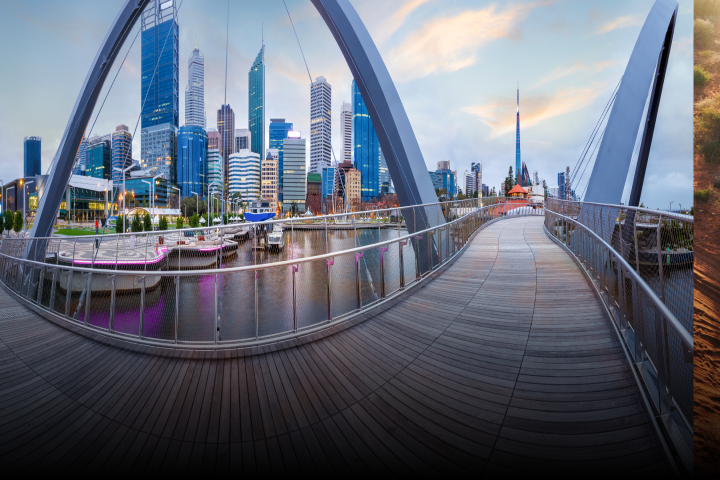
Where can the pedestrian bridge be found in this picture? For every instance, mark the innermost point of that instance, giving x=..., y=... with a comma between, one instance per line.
x=505, y=360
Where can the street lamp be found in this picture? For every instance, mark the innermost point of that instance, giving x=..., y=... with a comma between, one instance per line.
x=197, y=197
x=124, y=171
x=178, y=190
x=671, y=206
x=25, y=200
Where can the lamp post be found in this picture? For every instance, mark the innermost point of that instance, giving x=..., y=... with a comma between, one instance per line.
x=178, y=190
x=25, y=201
x=671, y=206
x=124, y=171
x=149, y=184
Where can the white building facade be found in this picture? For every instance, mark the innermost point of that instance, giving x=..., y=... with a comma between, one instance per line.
x=244, y=175
x=346, y=131
x=214, y=169
x=195, y=90
x=320, y=125
x=243, y=139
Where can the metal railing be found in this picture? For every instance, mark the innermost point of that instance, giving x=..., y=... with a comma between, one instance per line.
x=159, y=298
x=641, y=292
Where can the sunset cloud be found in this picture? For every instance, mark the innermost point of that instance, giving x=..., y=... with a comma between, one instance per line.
x=500, y=115
x=562, y=71
x=618, y=23
x=448, y=44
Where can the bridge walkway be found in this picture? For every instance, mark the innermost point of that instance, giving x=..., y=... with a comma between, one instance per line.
x=504, y=363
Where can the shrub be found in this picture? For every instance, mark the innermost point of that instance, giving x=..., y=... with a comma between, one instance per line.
x=225, y=222
x=2, y=223
x=162, y=223
x=119, y=224
x=179, y=223
x=704, y=34
x=9, y=220
x=135, y=225
x=711, y=151
x=147, y=223
x=716, y=183
x=700, y=76
x=18, y=223
x=194, y=221
x=702, y=195
x=707, y=9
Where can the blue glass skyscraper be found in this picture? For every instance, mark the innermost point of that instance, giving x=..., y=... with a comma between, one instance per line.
x=159, y=89
x=192, y=160
x=32, y=161
x=256, y=103
x=278, y=132
x=367, y=155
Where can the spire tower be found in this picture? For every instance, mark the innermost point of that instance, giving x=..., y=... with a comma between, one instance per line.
x=518, y=166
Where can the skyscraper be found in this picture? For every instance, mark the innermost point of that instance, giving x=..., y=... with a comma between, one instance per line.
x=243, y=139
x=214, y=170
x=81, y=158
x=294, y=173
x=121, y=151
x=279, y=129
x=99, y=160
x=320, y=124
x=226, y=128
x=346, y=131
x=195, y=90
x=159, y=97
x=213, y=138
x=192, y=160
x=518, y=167
x=367, y=155
x=256, y=102
x=32, y=153
x=244, y=175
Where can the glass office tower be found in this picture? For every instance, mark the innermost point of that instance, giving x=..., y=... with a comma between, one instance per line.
x=278, y=132
x=32, y=164
x=99, y=160
x=367, y=155
x=121, y=151
x=256, y=103
x=192, y=160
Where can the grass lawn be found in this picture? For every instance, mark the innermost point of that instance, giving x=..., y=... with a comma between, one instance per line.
x=73, y=232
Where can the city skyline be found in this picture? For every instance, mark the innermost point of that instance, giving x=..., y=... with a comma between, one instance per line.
x=566, y=87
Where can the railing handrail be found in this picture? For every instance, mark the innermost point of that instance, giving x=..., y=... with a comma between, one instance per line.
x=266, y=222
x=675, y=324
x=213, y=271
x=673, y=215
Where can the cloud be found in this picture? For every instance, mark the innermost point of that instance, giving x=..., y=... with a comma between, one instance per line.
x=449, y=44
x=500, y=115
x=618, y=23
x=396, y=20
x=562, y=71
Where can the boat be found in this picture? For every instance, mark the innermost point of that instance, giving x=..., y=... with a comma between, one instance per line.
x=276, y=238
x=259, y=212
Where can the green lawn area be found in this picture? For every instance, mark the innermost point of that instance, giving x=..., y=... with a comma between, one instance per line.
x=73, y=232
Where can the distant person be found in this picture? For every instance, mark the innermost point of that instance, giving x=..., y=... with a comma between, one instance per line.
x=97, y=227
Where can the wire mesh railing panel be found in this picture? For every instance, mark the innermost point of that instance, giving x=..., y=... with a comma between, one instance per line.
x=128, y=304
x=99, y=301
x=236, y=302
x=159, y=308
x=275, y=300
x=196, y=312
x=311, y=290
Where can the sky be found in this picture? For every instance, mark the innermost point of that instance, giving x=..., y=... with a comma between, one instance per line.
x=456, y=65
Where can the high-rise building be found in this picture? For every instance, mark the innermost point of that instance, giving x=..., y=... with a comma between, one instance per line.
x=342, y=169
x=443, y=165
x=159, y=98
x=328, y=182
x=195, y=90
x=518, y=167
x=279, y=129
x=444, y=180
x=353, y=185
x=536, y=180
x=243, y=139
x=367, y=154
x=313, y=198
x=469, y=185
x=256, y=102
x=121, y=151
x=99, y=160
x=244, y=175
x=213, y=138
x=269, y=179
x=160, y=64
x=561, y=185
x=214, y=171
x=32, y=165
x=346, y=131
x=294, y=173
x=226, y=128
x=476, y=170
x=81, y=158
x=192, y=160
x=320, y=125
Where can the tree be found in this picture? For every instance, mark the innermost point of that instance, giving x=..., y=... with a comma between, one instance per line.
x=509, y=181
x=119, y=224
x=172, y=200
x=135, y=225
x=179, y=223
x=147, y=223
x=9, y=219
x=2, y=223
x=194, y=221
x=163, y=223
x=18, y=224
x=225, y=219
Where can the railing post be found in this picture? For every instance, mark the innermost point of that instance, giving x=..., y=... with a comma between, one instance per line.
x=68, y=293
x=660, y=260
x=639, y=330
x=53, y=289
x=358, y=256
x=418, y=276
x=430, y=263
x=328, y=262
x=257, y=317
x=294, y=272
x=382, y=271
x=177, y=306
x=142, y=306
x=637, y=255
x=41, y=281
x=659, y=347
x=111, y=324
x=401, y=244
x=88, y=297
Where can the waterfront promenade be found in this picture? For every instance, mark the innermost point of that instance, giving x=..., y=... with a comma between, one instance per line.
x=504, y=362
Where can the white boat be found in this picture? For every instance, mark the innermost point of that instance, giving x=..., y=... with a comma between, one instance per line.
x=276, y=238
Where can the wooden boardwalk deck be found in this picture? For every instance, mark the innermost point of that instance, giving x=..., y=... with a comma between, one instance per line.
x=503, y=364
